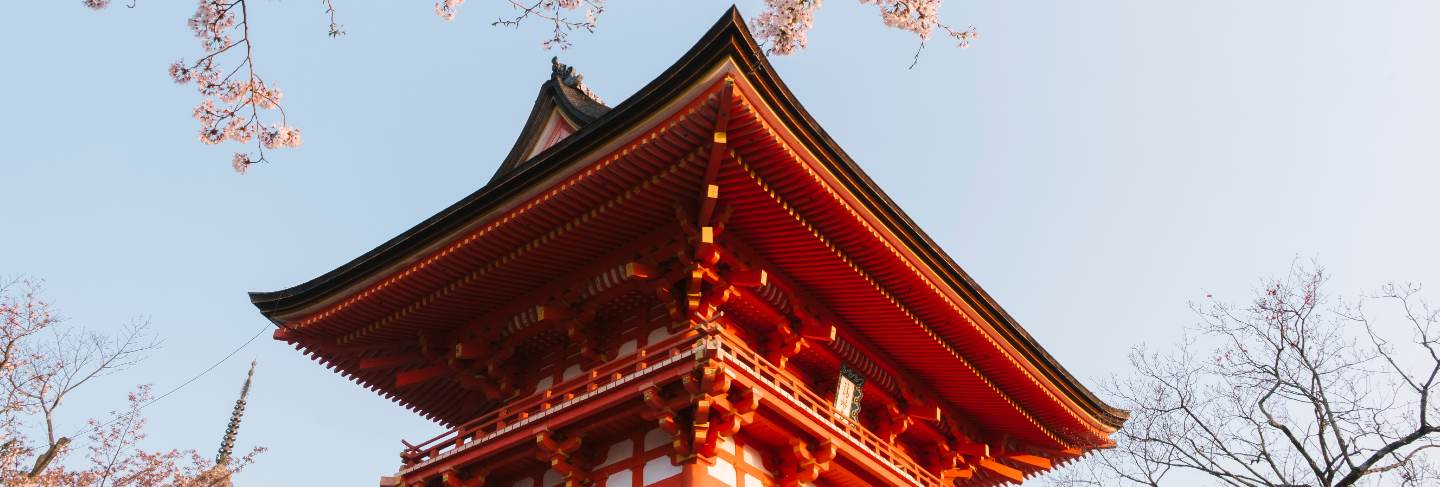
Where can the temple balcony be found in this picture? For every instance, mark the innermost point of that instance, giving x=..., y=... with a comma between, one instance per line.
x=627, y=393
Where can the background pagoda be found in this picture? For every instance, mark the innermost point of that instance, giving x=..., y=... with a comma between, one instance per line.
x=694, y=287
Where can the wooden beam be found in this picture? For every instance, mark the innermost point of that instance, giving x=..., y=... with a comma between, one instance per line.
x=922, y=409
x=718, y=152
x=474, y=349
x=1032, y=460
x=951, y=474
x=973, y=449
x=1009, y=473
x=284, y=335
x=486, y=386
x=748, y=278
x=705, y=247
x=816, y=330
x=709, y=200
x=661, y=242
x=641, y=270
x=1071, y=452
x=390, y=362
x=411, y=377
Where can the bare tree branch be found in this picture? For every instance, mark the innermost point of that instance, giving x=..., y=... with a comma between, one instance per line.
x=1296, y=390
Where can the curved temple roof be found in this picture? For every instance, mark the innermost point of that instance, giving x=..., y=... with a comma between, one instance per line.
x=727, y=46
x=564, y=94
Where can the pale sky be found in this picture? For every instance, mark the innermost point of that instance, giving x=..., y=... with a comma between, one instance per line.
x=1093, y=165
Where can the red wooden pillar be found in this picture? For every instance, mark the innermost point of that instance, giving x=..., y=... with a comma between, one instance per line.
x=695, y=474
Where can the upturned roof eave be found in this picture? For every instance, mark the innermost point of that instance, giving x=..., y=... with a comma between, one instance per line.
x=276, y=304
x=728, y=37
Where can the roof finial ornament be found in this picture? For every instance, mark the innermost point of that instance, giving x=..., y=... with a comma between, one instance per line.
x=227, y=445
x=568, y=76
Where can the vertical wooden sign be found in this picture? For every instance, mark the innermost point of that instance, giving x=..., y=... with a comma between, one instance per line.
x=848, y=391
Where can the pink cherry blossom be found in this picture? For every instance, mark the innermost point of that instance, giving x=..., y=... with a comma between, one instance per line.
x=225, y=76
x=240, y=162
x=227, y=93
x=783, y=24
x=446, y=9
x=277, y=136
x=266, y=97
x=918, y=16
x=239, y=129
x=44, y=362
x=179, y=72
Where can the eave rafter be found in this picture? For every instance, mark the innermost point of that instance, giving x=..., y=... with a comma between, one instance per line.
x=517, y=253
x=943, y=431
x=1094, y=430
x=800, y=323
x=479, y=356
x=405, y=372
x=860, y=272
x=653, y=147
x=447, y=317
x=708, y=290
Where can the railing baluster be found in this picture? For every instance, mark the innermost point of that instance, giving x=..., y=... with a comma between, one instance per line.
x=720, y=346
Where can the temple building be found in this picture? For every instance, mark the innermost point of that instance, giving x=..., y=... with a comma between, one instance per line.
x=693, y=287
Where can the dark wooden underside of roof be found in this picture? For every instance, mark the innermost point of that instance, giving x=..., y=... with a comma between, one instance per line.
x=727, y=39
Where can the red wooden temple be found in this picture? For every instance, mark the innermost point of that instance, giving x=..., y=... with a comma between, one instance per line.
x=695, y=287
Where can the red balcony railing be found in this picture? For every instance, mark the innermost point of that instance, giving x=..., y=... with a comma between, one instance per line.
x=730, y=350
x=712, y=343
x=543, y=403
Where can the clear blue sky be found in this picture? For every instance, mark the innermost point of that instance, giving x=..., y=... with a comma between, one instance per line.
x=1094, y=165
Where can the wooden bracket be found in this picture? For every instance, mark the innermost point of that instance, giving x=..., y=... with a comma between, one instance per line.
x=564, y=456
x=803, y=464
x=710, y=408
x=693, y=290
x=579, y=333
x=783, y=344
x=659, y=409
x=453, y=478
x=743, y=404
x=707, y=386
x=666, y=296
x=892, y=422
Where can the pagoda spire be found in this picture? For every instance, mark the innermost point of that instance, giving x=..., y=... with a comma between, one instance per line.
x=227, y=445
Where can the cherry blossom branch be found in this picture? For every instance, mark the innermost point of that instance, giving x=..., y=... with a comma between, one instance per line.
x=232, y=110
x=336, y=30
x=783, y=25
x=553, y=11
x=962, y=38
x=225, y=99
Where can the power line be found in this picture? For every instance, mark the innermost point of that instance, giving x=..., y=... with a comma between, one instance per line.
x=182, y=385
